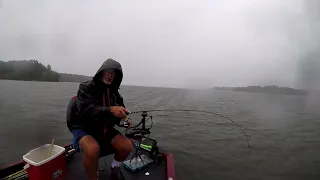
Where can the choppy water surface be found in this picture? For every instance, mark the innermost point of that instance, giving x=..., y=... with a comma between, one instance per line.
x=284, y=130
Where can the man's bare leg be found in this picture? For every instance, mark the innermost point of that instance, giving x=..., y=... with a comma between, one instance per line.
x=91, y=151
x=122, y=147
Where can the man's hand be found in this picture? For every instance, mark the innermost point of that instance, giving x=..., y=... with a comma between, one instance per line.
x=118, y=111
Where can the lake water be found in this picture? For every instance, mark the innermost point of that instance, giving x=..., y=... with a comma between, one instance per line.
x=284, y=131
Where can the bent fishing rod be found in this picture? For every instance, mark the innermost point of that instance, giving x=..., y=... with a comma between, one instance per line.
x=193, y=110
x=147, y=130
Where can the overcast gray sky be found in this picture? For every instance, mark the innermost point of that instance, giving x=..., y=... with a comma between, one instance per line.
x=166, y=43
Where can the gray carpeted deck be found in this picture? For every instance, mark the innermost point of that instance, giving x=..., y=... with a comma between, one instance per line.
x=77, y=172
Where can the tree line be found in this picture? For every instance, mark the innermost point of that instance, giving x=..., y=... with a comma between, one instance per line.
x=64, y=77
x=27, y=70
x=271, y=90
x=265, y=89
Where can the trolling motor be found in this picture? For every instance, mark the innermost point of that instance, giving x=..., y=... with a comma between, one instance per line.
x=146, y=150
x=136, y=132
x=141, y=143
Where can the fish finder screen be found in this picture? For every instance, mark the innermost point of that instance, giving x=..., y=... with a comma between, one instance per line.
x=148, y=144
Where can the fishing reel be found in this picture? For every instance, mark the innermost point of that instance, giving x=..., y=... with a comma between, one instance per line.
x=137, y=131
x=125, y=123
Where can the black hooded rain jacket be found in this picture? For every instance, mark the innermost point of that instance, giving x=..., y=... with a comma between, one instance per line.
x=93, y=101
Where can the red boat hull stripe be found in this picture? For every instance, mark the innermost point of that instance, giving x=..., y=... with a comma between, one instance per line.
x=170, y=167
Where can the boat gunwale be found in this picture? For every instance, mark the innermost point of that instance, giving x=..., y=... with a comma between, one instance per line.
x=18, y=165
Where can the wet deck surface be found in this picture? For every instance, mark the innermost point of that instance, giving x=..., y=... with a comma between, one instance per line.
x=77, y=172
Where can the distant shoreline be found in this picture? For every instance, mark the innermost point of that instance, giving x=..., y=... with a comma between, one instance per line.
x=265, y=89
x=130, y=85
x=33, y=70
x=65, y=77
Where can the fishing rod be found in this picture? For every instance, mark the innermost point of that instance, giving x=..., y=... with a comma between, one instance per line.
x=143, y=130
x=192, y=110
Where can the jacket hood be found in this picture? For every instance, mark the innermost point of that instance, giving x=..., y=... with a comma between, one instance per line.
x=110, y=65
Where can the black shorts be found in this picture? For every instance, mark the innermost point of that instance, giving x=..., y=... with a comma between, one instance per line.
x=104, y=143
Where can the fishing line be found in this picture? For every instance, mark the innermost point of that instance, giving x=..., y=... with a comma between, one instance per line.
x=199, y=111
x=206, y=112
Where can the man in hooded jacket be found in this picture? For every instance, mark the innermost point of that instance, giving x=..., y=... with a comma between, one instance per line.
x=91, y=117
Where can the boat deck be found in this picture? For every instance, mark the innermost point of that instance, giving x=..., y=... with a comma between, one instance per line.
x=77, y=172
x=157, y=171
